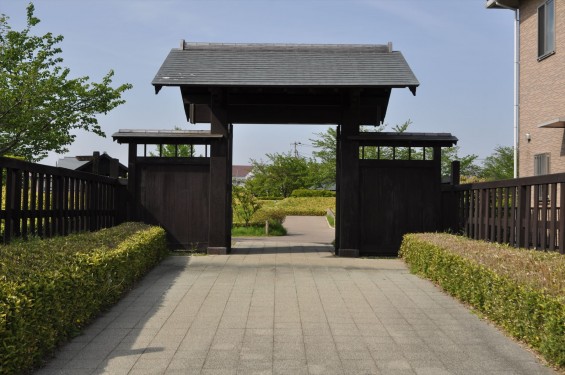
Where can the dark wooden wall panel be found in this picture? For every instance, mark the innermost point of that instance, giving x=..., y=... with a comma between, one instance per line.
x=176, y=197
x=395, y=201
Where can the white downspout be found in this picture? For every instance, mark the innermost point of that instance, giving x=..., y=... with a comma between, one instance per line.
x=516, y=82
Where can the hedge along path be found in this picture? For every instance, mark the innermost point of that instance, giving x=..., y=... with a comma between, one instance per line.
x=50, y=289
x=521, y=290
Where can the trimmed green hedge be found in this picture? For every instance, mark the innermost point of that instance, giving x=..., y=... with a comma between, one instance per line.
x=50, y=289
x=523, y=291
x=301, y=193
x=306, y=206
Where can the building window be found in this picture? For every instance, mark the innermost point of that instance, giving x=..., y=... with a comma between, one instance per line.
x=541, y=164
x=546, y=29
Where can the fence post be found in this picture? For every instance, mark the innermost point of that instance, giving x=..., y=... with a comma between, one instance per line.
x=522, y=199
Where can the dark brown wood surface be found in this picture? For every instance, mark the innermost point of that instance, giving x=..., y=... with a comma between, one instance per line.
x=397, y=197
x=523, y=212
x=175, y=196
x=46, y=201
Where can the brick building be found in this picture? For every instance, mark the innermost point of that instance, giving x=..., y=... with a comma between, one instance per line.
x=541, y=84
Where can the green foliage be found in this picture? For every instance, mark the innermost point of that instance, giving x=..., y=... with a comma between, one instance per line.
x=244, y=204
x=499, y=165
x=282, y=174
x=171, y=151
x=298, y=193
x=521, y=290
x=468, y=167
x=181, y=151
x=331, y=220
x=325, y=145
x=49, y=289
x=40, y=105
x=303, y=206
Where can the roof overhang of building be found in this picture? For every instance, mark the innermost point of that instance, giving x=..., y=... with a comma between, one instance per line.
x=144, y=136
x=554, y=123
x=405, y=139
x=502, y=4
x=285, y=83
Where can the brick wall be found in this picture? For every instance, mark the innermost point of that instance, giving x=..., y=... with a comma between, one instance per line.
x=542, y=90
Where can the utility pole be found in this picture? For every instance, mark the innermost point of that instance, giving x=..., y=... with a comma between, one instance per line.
x=295, y=149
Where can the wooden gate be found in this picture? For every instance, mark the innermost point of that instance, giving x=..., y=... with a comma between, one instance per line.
x=389, y=184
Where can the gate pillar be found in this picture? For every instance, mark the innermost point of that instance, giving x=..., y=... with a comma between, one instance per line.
x=348, y=180
x=219, y=237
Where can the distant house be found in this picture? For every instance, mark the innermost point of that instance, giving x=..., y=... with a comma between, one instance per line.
x=540, y=84
x=240, y=173
x=101, y=164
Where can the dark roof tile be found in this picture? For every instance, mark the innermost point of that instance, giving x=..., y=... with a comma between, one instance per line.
x=285, y=65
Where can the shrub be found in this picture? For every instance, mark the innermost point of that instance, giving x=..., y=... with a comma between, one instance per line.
x=521, y=290
x=270, y=214
x=301, y=193
x=258, y=230
x=51, y=288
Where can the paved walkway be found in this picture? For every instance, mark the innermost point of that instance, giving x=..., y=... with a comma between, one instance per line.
x=304, y=229
x=271, y=308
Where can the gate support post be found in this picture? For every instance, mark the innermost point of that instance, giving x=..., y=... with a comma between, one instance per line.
x=219, y=230
x=349, y=210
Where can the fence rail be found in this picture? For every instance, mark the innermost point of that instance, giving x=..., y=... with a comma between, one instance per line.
x=44, y=201
x=523, y=212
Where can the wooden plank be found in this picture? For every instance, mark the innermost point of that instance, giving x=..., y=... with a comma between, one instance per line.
x=507, y=201
x=553, y=217
x=516, y=223
x=491, y=204
x=543, y=221
x=25, y=203
x=40, y=204
x=33, y=203
x=526, y=212
x=499, y=212
x=561, y=234
x=17, y=205
x=536, y=218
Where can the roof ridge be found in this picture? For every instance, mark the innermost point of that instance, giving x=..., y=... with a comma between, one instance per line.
x=283, y=46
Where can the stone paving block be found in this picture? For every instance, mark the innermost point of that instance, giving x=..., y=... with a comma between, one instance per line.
x=275, y=309
x=222, y=359
x=325, y=368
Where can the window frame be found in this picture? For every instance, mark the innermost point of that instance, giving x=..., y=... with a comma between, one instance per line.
x=541, y=163
x=546, y=31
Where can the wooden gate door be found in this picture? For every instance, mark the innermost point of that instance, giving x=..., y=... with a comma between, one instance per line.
x=174, y=193
x=397, y=197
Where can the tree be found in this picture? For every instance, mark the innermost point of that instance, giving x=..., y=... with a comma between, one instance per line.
x=182, y=151
x=468, y=168
x=244, y=203
x=39, y=104
x=326, y=152
x=281, y=175
x=499, y=165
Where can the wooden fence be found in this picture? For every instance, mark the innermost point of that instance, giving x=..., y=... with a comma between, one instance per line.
x=38, y=200
x=523, y=212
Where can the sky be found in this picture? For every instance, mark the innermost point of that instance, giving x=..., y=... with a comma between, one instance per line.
x=461, y=53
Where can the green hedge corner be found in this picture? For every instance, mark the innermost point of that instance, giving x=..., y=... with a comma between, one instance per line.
x=50, y=289
x=523, y=291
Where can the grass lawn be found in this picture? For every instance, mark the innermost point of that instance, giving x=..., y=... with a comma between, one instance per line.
x=257, y=230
